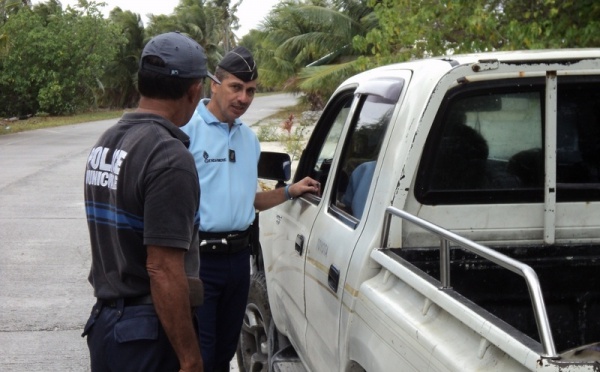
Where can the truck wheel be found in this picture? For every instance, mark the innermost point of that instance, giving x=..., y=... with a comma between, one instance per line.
x=253, y=348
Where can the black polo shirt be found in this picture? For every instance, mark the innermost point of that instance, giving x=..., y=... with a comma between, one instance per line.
x=141, y=188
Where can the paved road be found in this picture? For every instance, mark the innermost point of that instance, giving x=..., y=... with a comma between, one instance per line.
x=44, y=248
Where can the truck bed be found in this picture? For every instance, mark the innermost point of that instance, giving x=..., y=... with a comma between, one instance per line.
x=569, y=278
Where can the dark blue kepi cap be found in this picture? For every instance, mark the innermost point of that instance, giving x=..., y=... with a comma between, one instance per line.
x=240, y=63
x=182, y=55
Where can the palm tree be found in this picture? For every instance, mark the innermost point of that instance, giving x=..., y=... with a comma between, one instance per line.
x=196, y=19
x=307, y=45
x=119, y=79
x=229, y=22
x=8, y=7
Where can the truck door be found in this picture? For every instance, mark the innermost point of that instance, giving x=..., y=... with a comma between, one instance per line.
x=285, y=229
x=340, y=221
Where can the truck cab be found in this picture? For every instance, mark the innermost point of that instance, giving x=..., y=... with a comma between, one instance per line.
x=457, y=228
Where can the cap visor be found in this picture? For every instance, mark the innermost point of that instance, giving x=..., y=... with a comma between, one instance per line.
x=213, y=78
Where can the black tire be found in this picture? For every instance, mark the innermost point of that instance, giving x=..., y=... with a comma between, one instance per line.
x=252, y=352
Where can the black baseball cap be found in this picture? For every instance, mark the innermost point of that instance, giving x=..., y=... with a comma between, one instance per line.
x=239, y=62
x=183, y=56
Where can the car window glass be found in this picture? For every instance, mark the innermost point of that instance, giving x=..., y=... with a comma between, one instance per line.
x=482, y=138
x=487, y=145
x=359, y=159
x=326, y=148
x=578, y=137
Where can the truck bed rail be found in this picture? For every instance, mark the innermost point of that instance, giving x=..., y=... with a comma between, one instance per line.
x=517, y=267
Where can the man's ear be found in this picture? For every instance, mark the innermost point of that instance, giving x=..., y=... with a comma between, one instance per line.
x=195, y=91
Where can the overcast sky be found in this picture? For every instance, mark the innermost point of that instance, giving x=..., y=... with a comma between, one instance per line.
x=250, y=12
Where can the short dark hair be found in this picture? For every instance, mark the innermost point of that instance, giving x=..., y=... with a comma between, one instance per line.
x=160, y=86
x=221, y=73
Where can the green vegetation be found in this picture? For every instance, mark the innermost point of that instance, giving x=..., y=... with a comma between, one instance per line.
x=46, y=121
x=64, y=61
x=289, y=127
x=52, y=59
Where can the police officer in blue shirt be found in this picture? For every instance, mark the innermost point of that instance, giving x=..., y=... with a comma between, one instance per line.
x=226, y=152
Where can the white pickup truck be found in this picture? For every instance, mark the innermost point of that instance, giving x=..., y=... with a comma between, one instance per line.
x=458, y=228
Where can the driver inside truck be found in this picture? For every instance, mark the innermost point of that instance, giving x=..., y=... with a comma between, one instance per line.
x=358, y=188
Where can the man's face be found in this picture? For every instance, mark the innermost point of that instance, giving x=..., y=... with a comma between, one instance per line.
x=232, y=98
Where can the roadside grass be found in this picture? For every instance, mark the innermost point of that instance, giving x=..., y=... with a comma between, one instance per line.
x=40, y=122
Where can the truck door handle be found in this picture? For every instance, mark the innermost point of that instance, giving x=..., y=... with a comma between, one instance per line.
x=333, y=279
x=299, y=244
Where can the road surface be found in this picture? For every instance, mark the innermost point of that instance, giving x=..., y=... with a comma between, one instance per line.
x=45, y=297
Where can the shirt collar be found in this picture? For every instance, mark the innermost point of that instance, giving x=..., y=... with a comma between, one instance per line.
x=172, y=128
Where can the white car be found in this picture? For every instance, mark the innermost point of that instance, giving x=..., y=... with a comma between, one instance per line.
x=458, y=227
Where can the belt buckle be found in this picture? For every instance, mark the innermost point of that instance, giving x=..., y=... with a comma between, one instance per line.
x=214, y=243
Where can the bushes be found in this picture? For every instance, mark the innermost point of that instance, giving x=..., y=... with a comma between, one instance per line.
x=54, y=59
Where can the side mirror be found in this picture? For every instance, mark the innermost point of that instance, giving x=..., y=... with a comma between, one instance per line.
x=275, y=166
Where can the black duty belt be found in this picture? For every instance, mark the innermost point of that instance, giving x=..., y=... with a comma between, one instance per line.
x=224, y=242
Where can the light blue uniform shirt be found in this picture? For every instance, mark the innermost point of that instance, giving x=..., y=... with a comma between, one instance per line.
x=227, y=189
x=358, y=187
